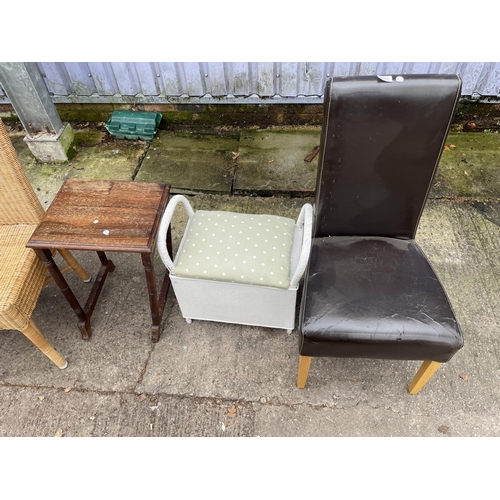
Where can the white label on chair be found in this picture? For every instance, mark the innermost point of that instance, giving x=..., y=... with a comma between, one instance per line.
x=106, y=232
x=385, y=78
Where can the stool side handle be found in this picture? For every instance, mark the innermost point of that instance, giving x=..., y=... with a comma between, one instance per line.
x=306, y=219
x=165, y=223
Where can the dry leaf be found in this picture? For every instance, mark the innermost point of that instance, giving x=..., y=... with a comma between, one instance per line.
x=466, y=173
x=443, y=429
x=58, y=433
x=270, y=161
x=142, y=397
x=235, y=155
x=464, y=377
x=67, y=389
x=452, y=146
x=446, y=148
x=41, y=398
x=240, y=407
x=231, y=412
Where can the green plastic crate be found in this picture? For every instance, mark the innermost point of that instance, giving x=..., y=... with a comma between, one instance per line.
x=133, y=124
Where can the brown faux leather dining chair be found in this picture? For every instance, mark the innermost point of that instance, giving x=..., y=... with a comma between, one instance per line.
x=369, y=290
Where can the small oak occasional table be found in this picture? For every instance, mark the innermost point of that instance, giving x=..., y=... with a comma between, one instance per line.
x=105, y=216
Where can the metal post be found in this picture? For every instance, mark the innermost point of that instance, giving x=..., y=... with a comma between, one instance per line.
x=48, y=138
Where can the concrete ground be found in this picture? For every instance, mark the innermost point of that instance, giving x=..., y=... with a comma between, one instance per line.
x=212, y=379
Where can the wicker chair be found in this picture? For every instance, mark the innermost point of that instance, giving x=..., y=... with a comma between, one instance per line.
x=22, y=274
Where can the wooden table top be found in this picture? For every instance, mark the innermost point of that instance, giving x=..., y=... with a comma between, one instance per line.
x=120, y=216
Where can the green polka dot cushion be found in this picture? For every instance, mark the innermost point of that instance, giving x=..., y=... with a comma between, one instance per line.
x=240, y=248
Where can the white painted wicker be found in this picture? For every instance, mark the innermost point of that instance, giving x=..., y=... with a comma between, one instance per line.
x=240, y=303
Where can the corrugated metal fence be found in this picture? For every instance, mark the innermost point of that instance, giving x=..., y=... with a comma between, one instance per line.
x=236, y=82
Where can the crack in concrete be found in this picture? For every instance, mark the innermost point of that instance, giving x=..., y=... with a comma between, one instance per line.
x=234, y=166
x=251, y=406
x=145, y=367
x=150, y=399
x=166, y=316
x=140, y=161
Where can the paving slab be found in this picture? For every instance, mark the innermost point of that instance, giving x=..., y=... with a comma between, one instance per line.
x=95, y=159
x=365, y=420
x=191, y=162
x=69, y=412
x=272, y=162
x=469, y=166
x=46, y=178
x=116, y=160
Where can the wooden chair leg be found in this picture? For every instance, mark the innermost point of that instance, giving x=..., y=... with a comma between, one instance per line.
x=304, y=364
x=35, y=335
x=425, y=372
x=74, y=264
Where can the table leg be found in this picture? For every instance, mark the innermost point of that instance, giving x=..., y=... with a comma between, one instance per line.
x=107, y=266
x=157, y=303
x=84, y=324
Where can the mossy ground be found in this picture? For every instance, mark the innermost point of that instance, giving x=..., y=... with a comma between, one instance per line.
x=222, y=159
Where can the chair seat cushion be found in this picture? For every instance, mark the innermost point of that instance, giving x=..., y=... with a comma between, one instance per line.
x=22, y=275
x=375, y=297
x=239, y=248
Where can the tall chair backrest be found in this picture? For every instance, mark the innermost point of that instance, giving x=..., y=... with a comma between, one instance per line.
x=18, y=202
x=381, y=142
